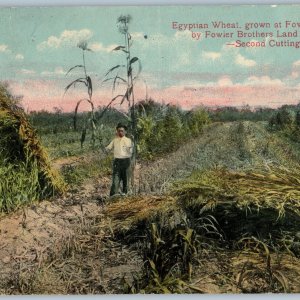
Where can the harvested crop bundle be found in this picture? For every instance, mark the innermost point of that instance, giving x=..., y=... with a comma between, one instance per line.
x=261, y=202
x=25, y=171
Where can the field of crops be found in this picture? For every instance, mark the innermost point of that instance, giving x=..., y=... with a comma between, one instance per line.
x=215, y=210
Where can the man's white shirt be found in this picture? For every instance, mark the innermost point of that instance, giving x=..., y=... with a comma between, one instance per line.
x=121, y=146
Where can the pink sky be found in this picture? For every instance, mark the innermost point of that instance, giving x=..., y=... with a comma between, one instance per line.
x=46, y=94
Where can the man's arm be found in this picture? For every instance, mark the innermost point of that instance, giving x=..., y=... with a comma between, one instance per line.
x=110, y=146
x=130, y=147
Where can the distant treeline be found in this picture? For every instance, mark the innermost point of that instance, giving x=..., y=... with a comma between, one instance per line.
x=246, y=113
x=58, y=121
x=230, y=114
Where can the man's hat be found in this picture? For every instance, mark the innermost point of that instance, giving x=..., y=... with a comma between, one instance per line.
x=120, y=125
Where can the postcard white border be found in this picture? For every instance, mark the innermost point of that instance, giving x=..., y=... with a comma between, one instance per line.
x=18, y=3
x=138, y=2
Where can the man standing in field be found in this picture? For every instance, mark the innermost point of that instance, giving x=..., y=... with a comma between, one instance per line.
x=122, y=147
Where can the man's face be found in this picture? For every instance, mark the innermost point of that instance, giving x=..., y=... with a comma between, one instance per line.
x=121, y=131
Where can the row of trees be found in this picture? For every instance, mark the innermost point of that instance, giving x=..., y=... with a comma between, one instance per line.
x=61, y=122
x=231, y=114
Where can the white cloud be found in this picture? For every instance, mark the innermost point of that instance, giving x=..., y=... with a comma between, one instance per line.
x=294, y=75
x=182, y=35
x=296, y=63
x=211, y=55
x=27, y=71
x=233, y=53
x=97, y=47
x=57, y=71
x=262, y=80
x=3, y=48
x=137, y=35
x=19, y=56
x=243, y=61
x=226, y=49
x=66, y=38
x=225, y=81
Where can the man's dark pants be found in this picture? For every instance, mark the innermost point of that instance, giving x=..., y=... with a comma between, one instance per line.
x=121, y=172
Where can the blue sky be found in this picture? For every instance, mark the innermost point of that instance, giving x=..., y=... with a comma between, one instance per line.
x=38, y=46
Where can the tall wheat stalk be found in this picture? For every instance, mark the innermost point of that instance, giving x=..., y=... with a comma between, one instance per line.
x=87, y=81
x=129, y=81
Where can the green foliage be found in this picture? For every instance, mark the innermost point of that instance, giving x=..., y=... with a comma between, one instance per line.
x=150, y=107
x=286, y=122
x=46, y=122
x=160, y=128
x=297, y=120
x=19, y=185
x=197, y=120
x=231, y=114
x=169, y=254
x=283, y=119
x=163, y=128
x=172, y=131
x=167, y=249
x=145, y=129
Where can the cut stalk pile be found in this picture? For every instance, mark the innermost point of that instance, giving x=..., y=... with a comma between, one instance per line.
x=257, y=203
x=277, y=189
x=26, y=174
x=128, y=212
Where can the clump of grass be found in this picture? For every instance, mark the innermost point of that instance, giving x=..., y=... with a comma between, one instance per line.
x=76, y=175
x=169, y=255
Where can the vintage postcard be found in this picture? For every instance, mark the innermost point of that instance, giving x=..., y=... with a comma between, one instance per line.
x=150, y=149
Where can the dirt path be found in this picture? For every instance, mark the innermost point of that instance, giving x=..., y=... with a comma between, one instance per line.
x=35, y=240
